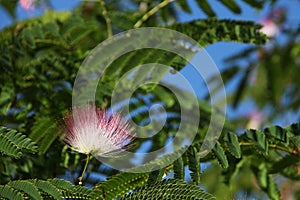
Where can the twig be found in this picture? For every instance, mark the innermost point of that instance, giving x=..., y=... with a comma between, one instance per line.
x=107, y=19
x=274, y=146
x=151, y=12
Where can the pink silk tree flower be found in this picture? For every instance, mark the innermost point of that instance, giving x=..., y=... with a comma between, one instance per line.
x=255, y=119
x=27, y=4
x=269, y=28
x=90, y=130
x=273, y=22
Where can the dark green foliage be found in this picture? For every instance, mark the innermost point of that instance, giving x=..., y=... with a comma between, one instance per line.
x=259, y=139
x=213, y=30
x=13, y=143
x=266, y=182
x=156, y=176
x=38, y=63
x=206, y=8
x=27, y=187
x=194, y=165
x=70, y=191
x=119, y=185
x=9, y=148
x=43, y=189
x=232, y=142
x=10, y=193
x=10, y=7
x=220, y=155
x=44, y=131
x=278, y=133
x=169, y=189
x=272, y=188
x=232, y=5
x=224, y=30
x=284, y=163
x=184, y=5
x=178, y=167
x=48, y=188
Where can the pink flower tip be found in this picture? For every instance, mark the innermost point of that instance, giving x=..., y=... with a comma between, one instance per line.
x=255, y=119
x=272, y=23
x=91, y=130
x=27, y=4
x=270, y=28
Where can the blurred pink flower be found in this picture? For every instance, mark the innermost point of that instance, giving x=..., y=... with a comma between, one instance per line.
x=270, y=28
x=93, y=131
x=255, y=120
x=272, y=23
x=27, y=4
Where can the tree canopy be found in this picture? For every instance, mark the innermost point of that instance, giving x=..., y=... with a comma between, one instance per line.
x=39, y=61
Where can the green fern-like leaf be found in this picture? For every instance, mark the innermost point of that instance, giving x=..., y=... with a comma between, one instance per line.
x=156, y=176
x=77, y=192
x=286, y=161
x=220, y=154
x=294, y=129
x=76, y=30
x=255, y=3
x=48, y=139
x=168, y=190
x=287, y=166
x=7, y=93
x=194, y=165
x=212, y=30
x=266, y=182
x=21, y=141
x=232, y=5
x=13, y=143
x=39, y=128
x=272, y=189
x=44, y=132
x=216, y=30
x=43, y=189
x=48, y=188
x=61, y=184
x=259, y=140
x=262, y=175
x=10, y=193
x=161, y=161
x=27, y=38
x=278, y=133
x=26, y=187
x=119, y=185
x=205, y=6
x=178, y=167
x=70, y=191
x=9, y=148
x=232, y=142
x=184, y=5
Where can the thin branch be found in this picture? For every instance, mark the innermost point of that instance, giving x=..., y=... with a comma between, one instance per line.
x=151, y=12
x=274, y=146
x=107, y=19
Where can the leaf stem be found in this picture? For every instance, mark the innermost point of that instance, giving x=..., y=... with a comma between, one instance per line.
x=151, y=12
x=274, y=146
x=107, y=19
x=84, y=169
